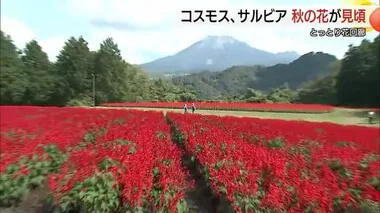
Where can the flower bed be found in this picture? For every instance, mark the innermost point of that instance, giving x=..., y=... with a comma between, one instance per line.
x=285, y=166
x=111, y=160
x=100, y=160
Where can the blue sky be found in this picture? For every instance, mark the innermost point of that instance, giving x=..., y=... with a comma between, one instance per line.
x=148, y=29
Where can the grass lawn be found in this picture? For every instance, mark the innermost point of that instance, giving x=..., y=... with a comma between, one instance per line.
x=340, y=116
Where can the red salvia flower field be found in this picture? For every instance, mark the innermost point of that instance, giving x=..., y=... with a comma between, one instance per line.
x=275, y=107
x=284, y=166
x=120, y=158
x=112, y=160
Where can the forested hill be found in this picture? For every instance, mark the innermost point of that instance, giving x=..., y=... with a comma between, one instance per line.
x=354, y=82
x=237, y=79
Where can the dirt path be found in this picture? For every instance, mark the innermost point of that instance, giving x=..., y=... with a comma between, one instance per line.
x=33, y=202
x=339, y=116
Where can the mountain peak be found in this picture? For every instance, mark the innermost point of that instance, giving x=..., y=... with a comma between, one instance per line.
x=215, y=53
x=213, y=37
x=288, y=52
x=216, y=42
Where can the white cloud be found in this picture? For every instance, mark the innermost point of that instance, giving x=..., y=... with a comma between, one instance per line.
x=170, y=36
x=163, y=34
x=53, y=46
x=136, y=44
x=142, y=12
x=22, y=34
x=19, y=32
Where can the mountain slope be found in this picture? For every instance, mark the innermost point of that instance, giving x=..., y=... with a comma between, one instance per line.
x=216, y=53
x=237, y=79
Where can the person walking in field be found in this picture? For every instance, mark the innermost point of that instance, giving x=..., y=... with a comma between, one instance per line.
x=185, y=108
x=370, y=117
x=193, y=107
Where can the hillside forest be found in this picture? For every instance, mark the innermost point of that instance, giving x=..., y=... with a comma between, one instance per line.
x=29, y=78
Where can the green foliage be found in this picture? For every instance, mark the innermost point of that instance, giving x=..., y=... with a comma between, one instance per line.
x=281, y=95
x=97, y=194
x=255, y=96
x=277, y=95
x=321, y=91
x=276, y=143
x=40, y=77
x=204, y=83
x=164, y=90
x=27, y=174
x=117, y=80
x=358, y=79
x=80, y=101
x=354, y=81
x=74, y=68
x=182, y=206
x=13, y=78
x=168, y=194
x=78, y=73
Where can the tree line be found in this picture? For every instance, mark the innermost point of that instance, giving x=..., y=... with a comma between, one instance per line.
x=353, y=81
x=29, y=78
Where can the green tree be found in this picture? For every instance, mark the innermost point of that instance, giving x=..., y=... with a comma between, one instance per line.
x=320, y=91
x=187, y=95
x=13, y=79
x=110, y=71
x=255, y=96
x=137, y=84
x=74, y=68
x=283, y=94
x=116, y=80
x=40, y=77
x=159, y=89
x=164, y=90
x=358, y=79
